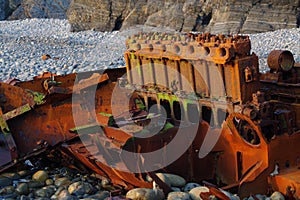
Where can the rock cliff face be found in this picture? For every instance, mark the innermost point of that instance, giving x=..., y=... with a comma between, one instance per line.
x=216, y=16
x=7, y=7
x=20, y=9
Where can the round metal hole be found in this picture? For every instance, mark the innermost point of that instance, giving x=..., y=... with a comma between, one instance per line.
x=177, y=49
x=191, y=49
x=164, y=48
x=222, y=52
x=207, y=50
x=138, y=46
x=150, y=47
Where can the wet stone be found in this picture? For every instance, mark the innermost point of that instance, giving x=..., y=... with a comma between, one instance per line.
x=277, y=196
x=162, y=177
x=45, y=192
x=80, y=188
x=145, y=194
x=35, y=184
x=22, y=188
x=23, y=197
x=64, y=195
x=31, y=195
x=59, y=190
x=176, y=189
x=76, y=179
x=12, y=176
x=234, y=197
x=40, y=175
x=178, y=196
x=49, y=182
x=7, y=190
x=4, y=181
x=175, y=180
x=213, y=197
x=260, y=197
x=105, y=182
x=99, y=195
x=24, y=173
x=62, y=182
x=195, y=192
x=117, y=198
x=11, y=196
x=231, y=196
x=189, y=186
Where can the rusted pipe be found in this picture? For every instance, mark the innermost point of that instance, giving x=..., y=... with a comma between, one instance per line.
x=280, y=60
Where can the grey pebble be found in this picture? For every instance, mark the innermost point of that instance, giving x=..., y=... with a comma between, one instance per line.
x=4, y=181
x=35, y=184
x=62, y=182
x=189, y=186
x=65, y=195
x=22, y=188
x=80, y=188
x=45, y=192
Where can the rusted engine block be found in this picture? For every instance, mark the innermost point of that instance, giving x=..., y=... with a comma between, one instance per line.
x=238, y=128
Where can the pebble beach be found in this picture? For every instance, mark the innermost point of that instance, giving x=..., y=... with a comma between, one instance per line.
x=23, y=42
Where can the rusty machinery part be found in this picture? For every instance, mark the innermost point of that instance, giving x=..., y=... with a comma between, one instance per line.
x=280, y=60
x=256, y=107
x=255, y=114
x=217, y=48
x=166, y=61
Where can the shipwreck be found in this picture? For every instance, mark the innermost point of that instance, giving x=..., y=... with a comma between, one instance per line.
x=192, y=104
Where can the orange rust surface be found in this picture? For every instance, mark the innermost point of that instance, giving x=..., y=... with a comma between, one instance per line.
x=288, y=182
x=260, y=129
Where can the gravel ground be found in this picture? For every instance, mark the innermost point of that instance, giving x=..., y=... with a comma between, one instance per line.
x=23, y=42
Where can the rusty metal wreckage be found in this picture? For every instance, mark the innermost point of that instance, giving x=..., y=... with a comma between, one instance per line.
x=245, y=123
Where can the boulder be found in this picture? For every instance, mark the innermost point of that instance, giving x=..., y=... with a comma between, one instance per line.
x=145, y=194
x=277, y=196
x=62, y=182
x=195, y=192
x=189, y=186
x=80, y=188
x=45, y=192
x=22, y=188
x=40, y=176
x=170, y=179
x=4, y=181
x=178, y=195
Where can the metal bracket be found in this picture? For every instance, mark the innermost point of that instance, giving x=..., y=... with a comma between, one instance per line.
x=8, y=136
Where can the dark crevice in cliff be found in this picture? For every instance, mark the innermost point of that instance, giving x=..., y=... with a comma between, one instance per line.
x=202, y=21
x=181, y=26
x=298, y=18
x=118, y=23
x=9, y=9
x=206, y=19
x=256, y=2
x=110, y=10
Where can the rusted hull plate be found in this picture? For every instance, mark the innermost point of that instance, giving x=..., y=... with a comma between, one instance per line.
x=287, y=182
